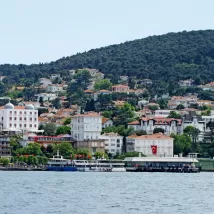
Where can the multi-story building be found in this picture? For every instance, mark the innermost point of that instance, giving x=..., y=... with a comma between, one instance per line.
x=18, y=118
x=120, y=88
x=86, y=126
x=5, y=150
x=156, y=144
x=148, y=124
x=53, y=88
x=113, y=143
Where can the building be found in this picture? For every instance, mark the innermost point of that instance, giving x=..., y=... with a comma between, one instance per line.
x=18, y=118
x=45, y=97
x=103, y=92
x=106, y=122
x=53, y=88
x=162, y=113
x=186, y=101
x=44, y=82
x=92, y=145
x=120, y=89
x=185, y=83
x=113, y=143
x=86, y=126
x=148, y=124
x=5, y=150
x=54, y=76
x=192, y=119
x=156, y=144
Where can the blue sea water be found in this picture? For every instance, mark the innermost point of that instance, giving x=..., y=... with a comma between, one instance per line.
x=110, y=193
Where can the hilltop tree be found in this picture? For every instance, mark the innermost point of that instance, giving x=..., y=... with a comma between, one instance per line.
x=104, y=84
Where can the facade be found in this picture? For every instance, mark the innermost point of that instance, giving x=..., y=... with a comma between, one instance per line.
x=113, y=143
x=53, y=88
x=86, y=126
x=92, y=145
x=106, y=122
x=5, y=150
x=186, y=101
x=46, y=96
x=103, y=92
x=148, y=124
x=185, y=83
x=18, y=118
x=192, y=119
x=151, y=145
x=120, y=89
x=162, y=113
x=45, y=82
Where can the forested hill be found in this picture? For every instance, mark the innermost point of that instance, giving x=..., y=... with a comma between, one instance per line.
x=168, y=58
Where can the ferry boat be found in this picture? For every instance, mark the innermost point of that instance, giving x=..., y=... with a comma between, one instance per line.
x=58, y=163
x=161, y=164
x=100, y=165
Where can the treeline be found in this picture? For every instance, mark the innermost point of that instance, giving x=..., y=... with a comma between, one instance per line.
x=167, y=58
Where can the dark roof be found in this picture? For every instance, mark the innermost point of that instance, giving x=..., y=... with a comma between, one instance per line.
x=191, y=115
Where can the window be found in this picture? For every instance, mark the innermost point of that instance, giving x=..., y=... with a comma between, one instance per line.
x=25, y=118
x=10, y=125
x=10, y=112
x=31, y=119
x=112, y=144
x=30, y=125
x=25, y=125
x=30, y=112
x=10, y=118
x=35, y=125
x=35, y=113
x=20, y=118
x=24, y=112
x=118, y=145
x=35, y=119
x=20, y=125
x=14, y=118
x=20, y=112
x=14, y=125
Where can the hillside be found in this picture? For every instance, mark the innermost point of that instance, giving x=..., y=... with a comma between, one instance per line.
x=168, y=58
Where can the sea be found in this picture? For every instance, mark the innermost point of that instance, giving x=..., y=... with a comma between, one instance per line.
x=106, y=193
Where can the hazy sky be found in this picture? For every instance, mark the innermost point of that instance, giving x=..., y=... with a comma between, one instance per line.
x=34, y=31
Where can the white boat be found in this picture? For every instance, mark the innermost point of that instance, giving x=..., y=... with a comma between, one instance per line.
x=100, y=165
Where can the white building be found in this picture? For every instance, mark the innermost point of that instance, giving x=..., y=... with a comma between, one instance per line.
x=156, y=144
x=162, y=113
x=54, y=76
x=86, y=126
x=106, y=122
x=148, y=124
x=53, y=88
x=113, y=143
x=46, y=96
x=18, y=118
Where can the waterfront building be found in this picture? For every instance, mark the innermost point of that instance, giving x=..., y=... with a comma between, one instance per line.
x=113, y=143
x=18, y=118
x=151, y=145
x=86, y=126
x=5, y=150
x=86, y=132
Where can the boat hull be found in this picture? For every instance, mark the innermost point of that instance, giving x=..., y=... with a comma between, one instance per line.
x=62, y=168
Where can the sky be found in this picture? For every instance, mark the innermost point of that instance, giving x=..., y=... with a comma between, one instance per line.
x=39, y=31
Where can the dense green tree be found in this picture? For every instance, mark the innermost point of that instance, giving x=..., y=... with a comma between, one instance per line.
x=174, y=114
x=65, y=149
x=67, y=121
x=56, y=103
x=180, y=106
x=63, y=130
x=158, y=130
x=140, y=132
x=50, y=129
x=192, y=132
x=103, y=84
x=210, y=125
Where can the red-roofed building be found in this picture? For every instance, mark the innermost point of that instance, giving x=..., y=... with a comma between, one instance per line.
x=120, y=88
x=148, y=124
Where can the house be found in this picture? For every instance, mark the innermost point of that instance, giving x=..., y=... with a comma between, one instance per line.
x=124, y=78
x=54, y=76
x=192, y=119
x=53, y=88
x=186, y=101
x=185, y=83
x=156, y=144
x=18, y=118
x=148, y=124
x=44, y=82
x=45, y=96
x=103, y=92
x=113, y=143
x=120, y=89
x=2, y=77
x=106, y=122
x=207, y=87
x=162, y=113
x=119, y=103
x=25, y=103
